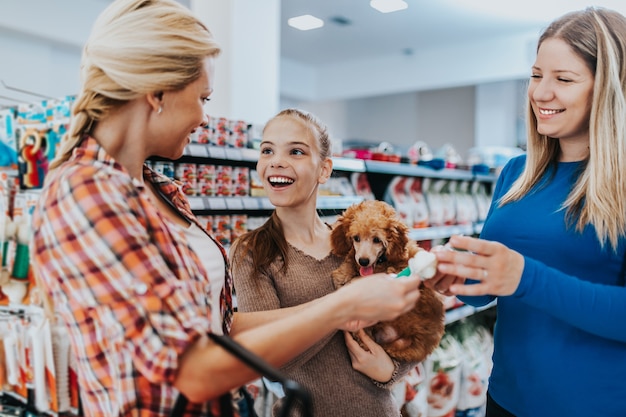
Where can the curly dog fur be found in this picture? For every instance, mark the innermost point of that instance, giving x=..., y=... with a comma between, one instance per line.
x=371, y=238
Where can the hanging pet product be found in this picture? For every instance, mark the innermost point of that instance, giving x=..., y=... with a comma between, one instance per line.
x=33, y=162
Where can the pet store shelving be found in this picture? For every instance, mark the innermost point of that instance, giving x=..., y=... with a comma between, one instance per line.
x=379, y=172
x=206, y=153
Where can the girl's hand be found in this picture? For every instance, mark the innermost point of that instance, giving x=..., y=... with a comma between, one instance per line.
x=369, y=359
x=379, y=297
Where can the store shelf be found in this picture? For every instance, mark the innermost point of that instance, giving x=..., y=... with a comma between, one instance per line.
x=410, y=170
x=459, y=313
x=202, y=203
x=202, y=150
x=348, y=164
x=441, y=232
x=486, y=177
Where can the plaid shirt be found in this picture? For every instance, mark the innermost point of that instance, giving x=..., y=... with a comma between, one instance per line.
x=123, y=280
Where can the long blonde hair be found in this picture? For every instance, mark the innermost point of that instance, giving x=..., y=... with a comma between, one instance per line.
x=136, y=47
x=598, y=198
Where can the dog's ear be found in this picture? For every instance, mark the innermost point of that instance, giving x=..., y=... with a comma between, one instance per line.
x=339, y=240
x=398, y=240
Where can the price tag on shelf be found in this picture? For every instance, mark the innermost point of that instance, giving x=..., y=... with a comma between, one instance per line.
x=234, y=203
x=197, y=149
x=217, y=203
x=196, y=203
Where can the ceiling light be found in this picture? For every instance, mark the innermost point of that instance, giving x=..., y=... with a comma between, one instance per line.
x=305, y=22
x=387, y=6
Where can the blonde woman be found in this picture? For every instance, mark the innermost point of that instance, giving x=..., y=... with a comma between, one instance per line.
x=126, y=265
x=552, y=250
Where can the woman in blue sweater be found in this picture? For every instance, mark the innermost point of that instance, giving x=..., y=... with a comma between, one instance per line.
x=552, y=250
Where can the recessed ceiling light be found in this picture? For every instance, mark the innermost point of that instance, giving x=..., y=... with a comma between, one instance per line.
x=388, y=6
x=305, y=22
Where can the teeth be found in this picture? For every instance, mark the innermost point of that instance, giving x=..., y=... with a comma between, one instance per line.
x=281, y=180
x=548, y=112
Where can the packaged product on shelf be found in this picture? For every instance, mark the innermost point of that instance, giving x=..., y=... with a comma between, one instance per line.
x=433, y=202
x=8, y=148
x=256, y=185
x=482, y=199
x=30, y=113
x=16, y=350
x=58, y=360
x=239, y=225
x=450, y=155
x=466, y=210
x=396, y=195
x=187, y=173
x=415, y=393
x=32, y=157
x=224, y=181
x=361, y=185
x=207, y=179
x=448, y=200
x=238, y=134
x=474, y=376
x=336, y=186
x=16, y=259
x=221, y=135
x=164, y=167
x=201, y=135
x=223, y=229
x=241, y=181
x=443, y=376
x=420, y=208
x=419, y=151
x=207, y=222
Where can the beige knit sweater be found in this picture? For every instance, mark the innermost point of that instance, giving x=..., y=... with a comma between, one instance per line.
x=325, y=369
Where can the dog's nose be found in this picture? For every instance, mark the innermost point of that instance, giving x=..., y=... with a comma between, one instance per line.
x=364, y=261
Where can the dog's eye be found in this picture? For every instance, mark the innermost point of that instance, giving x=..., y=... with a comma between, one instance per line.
x=356, y=238
x=377, y=240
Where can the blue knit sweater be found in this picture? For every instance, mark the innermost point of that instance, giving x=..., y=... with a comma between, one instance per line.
x=560, y=339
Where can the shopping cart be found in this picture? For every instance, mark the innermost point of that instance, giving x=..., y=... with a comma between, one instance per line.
x=294, y=393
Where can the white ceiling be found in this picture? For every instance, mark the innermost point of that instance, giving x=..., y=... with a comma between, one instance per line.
x=423, y=24
x=431, y=44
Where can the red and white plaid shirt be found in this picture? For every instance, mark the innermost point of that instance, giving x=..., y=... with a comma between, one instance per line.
x=124, y=281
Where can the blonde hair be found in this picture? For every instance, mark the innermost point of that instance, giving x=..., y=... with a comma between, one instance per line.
x=136, y=47
x=598, y=198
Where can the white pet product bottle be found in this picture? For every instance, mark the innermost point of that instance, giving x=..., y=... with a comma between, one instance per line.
x=36, y=335
x=59, y=367
x=423, y=263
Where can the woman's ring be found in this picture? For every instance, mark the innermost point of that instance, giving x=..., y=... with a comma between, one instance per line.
x=485, y=274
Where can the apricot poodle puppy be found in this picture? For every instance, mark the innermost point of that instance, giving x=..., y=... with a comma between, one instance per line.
x=371, y=238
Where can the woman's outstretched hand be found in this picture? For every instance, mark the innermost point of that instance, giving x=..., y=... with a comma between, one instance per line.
x=496, y=269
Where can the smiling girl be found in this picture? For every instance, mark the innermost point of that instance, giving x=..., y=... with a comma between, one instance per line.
x=288, y=262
